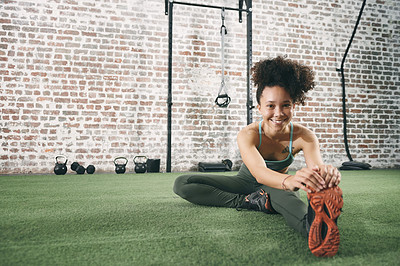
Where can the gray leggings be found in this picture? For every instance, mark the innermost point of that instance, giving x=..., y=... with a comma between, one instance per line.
x=230, y=191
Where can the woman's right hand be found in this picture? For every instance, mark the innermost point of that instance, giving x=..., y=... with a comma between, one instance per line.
x=306, y=179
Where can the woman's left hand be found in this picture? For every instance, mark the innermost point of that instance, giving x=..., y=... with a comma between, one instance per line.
x=330, y=174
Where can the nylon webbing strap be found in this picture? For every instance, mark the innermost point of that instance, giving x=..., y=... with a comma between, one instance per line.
x=223, y=99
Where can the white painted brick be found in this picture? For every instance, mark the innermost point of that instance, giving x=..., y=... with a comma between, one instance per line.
x=89, y=80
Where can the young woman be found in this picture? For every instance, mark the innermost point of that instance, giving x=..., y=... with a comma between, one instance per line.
x=268, y=148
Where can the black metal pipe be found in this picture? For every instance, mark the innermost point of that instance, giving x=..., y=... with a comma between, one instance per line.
x=249, y=61
x=240, y=12
x=209, y=6
x=169, y=12
x=169, y=101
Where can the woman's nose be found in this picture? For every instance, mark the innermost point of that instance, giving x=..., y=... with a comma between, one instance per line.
x=278, y=111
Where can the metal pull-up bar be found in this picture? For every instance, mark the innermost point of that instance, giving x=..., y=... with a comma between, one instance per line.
x=240, y=9
x=169, y=4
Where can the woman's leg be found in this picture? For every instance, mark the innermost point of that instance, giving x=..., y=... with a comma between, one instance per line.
x=292, y=208
x=231, y=191
x=215, y=190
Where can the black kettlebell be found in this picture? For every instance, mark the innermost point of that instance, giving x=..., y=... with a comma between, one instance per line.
x=79, y=169
x=60, y=168
x=140, y=164
x=120, y=168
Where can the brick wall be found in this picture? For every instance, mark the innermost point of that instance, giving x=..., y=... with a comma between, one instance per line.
x=88, y=79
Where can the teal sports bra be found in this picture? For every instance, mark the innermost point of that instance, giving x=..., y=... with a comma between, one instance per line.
x=279, y=165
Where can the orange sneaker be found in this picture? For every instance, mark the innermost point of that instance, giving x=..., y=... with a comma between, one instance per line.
x=323, y=211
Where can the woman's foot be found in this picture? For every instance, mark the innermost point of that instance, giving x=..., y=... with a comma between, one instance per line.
x=323, y=210
x=258, y=201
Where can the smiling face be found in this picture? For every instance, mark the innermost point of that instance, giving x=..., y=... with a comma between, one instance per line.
x=276, y=107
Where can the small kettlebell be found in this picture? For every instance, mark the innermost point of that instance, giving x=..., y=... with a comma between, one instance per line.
x=140, y=164
x=120, y=168
x=60, y=168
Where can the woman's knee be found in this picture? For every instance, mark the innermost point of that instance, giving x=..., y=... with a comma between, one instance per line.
x=179, y=185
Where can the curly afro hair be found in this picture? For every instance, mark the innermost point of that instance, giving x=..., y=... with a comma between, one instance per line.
x=295, y=78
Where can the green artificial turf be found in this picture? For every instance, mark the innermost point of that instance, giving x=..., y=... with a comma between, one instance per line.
x=136, y=219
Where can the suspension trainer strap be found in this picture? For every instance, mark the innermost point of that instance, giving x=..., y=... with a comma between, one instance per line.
x=223, y=99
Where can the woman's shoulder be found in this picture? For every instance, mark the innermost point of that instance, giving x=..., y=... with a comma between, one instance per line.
x=250, y=128
x=299, y=127
x=250, y=131
x=302, y=132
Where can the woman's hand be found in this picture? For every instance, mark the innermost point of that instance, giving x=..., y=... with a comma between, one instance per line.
x=330, y=174
x=306, y=179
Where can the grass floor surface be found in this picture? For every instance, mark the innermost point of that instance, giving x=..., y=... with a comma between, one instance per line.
x=136, y=219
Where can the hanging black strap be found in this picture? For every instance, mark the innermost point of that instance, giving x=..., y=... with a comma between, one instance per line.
x=223, y=99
